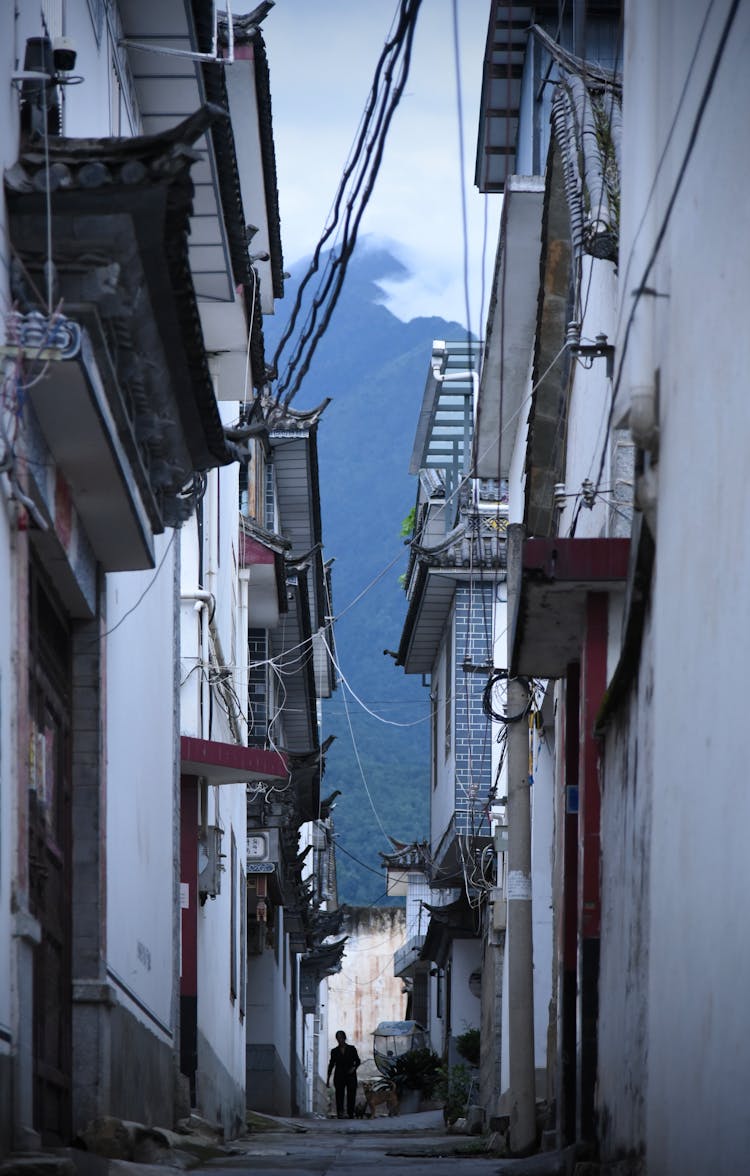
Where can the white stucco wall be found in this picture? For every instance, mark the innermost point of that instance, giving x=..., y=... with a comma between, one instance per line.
x=627, y=798
x=699, y=949
x=514, y=442
x=140, y=785
x=366, y=991
x=466, y=957
x=542, y=834
x=589, y=407
x=268, y=1006
x=220, y=1026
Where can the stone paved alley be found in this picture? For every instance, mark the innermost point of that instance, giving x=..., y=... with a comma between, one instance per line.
x=413, y=1145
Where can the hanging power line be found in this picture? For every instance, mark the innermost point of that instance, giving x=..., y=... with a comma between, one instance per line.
x=361, y=172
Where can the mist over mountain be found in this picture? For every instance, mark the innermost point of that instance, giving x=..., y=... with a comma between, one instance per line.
x=374, y=367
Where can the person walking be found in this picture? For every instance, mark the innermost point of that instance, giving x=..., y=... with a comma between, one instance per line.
x=343, y=1065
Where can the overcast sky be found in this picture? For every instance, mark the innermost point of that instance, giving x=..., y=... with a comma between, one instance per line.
x=322, y=56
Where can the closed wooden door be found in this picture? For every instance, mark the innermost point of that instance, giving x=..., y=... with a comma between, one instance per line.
x=50, y=861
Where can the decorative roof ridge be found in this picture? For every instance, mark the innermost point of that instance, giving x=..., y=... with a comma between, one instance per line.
x=167, y=152
x=279, y=417
x=245, y=26
x=307, y=759
x=458, y=548
x=406, y=854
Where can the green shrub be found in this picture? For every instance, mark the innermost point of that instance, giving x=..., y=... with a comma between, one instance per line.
x=467, y=1045
x=416, y=1070
x=453, y=1089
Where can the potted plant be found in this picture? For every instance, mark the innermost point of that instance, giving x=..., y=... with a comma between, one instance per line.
x=415, y=1074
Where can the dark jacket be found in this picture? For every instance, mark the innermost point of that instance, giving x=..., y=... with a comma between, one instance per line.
x=344, y=1064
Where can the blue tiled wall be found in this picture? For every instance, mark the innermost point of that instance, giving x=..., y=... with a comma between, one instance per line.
x=472, y=729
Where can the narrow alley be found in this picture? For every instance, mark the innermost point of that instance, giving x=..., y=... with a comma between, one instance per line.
x=406, y=1145
x=372, y=649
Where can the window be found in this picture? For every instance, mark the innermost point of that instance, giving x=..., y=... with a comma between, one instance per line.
x=233, y=924
x=243, y=943
x=270, y=499
x=257, y=687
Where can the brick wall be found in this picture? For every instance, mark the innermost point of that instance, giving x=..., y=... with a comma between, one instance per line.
x=472, y=731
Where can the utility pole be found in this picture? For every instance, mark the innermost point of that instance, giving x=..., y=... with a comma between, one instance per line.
x=519, y=928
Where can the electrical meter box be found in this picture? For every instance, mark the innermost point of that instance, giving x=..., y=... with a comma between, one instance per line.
x=209, y=862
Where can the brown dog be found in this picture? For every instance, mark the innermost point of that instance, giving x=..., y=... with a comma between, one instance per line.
x=380, y=1093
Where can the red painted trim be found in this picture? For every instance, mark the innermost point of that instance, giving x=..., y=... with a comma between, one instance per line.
x=230, y=763
x=592, y=561
x=189, y=875
x=593, y=685
x=252, y=551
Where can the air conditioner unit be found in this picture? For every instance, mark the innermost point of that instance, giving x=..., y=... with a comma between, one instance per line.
x=209, y=862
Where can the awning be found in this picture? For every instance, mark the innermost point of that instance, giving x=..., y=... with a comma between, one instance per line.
x=510, y=327
x=230, y=763
x=557, y=575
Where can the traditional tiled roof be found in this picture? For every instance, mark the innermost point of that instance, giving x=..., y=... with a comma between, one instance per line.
x=282, y=419
x=325, y=959
x=269, y=539
x=412, y=855
x=121, y=209
x=587, y=123
x=246, y=30
x=476, y=542
x=222, y=135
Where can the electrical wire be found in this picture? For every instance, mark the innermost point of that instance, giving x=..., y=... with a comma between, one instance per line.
x=354, y=857
x=462, y=177
x=146, y=590
x=350, y=167
x=358, y=700
x=362, y=770
x=326, y=298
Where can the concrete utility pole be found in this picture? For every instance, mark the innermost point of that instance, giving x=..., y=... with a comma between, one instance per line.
x=519, y=929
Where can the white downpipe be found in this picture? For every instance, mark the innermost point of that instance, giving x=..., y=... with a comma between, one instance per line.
x=201, y=601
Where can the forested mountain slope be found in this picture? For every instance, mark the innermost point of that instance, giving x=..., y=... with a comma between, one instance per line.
x=374, y=367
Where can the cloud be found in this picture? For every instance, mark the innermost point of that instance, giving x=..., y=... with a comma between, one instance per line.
x=322, y=59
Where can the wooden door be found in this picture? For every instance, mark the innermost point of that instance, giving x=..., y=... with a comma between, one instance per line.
x=50, y=861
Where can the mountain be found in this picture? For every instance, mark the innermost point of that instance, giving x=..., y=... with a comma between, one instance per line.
x=374, y=367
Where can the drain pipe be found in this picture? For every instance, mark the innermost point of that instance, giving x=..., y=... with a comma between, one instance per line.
x=522, y=1091
x=641, y=374
x=202, y=600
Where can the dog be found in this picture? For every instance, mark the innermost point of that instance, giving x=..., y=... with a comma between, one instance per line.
x=377, y=1094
